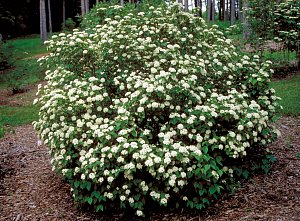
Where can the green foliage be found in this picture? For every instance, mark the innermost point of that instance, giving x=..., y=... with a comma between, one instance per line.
x=289, y=92
x=259, y=14
x=69, y=25
x=276, y=22
x=1, y=131
x=26, y=47
x=154, y=109
x=6, y=60
x=287, y=23
x=97, y=14
x=26, y=70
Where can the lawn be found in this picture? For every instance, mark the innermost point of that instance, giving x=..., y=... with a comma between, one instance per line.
x=18, y=115
x=25, y=73
x=289, y=91
x=27, y=47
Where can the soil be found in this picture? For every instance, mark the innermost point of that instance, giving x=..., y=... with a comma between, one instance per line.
x=30, y=190
x=22, y=98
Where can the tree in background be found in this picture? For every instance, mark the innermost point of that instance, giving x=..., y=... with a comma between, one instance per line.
x=85, y=6
x=64, y=12
x=232, y=12
x=50, y=17
x=209, y=5
x=260, y=16
x=43, y=21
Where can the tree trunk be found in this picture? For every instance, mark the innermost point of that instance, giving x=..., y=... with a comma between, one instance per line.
x=240, y=9
x=246, y=27
x=220, y=10
x=200, y=8
x=227, y=10
x=50, y=17
x=213, y=10
x=43, y=21
x=223, y=6
x=180, y=1
x=82, y=7
x=186, y=5
x=97, y=1
x=122, y=2
x=232, y=12
x=64, y=12
x=87, y=6
x=209, y=10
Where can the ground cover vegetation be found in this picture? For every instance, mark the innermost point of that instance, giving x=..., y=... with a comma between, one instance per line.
x=152, y=109
x=20, y=71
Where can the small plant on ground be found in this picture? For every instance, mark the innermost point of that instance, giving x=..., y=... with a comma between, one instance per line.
x=154, y=109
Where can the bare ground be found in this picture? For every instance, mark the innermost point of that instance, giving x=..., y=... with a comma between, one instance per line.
x=29, y=190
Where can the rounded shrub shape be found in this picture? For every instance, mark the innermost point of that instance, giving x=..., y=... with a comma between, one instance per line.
x=152, y=108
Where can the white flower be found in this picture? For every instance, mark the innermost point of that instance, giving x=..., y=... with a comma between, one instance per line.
x=110, y=179
x=139, y=213
x=140, y=109
x=92, y=176
x=75, y=141
x=180, y=126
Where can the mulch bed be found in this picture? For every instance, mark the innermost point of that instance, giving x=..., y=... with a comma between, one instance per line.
x=30, y=190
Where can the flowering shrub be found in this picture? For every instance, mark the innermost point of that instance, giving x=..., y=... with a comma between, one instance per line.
x=152, y=108
x=287, y=23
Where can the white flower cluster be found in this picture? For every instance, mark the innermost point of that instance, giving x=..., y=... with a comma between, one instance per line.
x=141, y=104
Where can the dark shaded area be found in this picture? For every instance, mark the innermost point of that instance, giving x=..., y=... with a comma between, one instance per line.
x=21, y=17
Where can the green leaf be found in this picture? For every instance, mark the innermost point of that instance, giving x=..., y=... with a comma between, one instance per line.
x=76, y=184
x=96, y=194
x=212, y=190
x=202, y=192
x=204, y=200
x=245, y=174
x=83, y=184
x=100, y=207
x=88, y=185
x=134, y=133
x=89, y=200
x=206, y=168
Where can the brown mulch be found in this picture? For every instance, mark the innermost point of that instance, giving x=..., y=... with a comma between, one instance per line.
x=30, y=190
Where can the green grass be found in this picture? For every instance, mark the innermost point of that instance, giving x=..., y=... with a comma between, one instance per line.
x=18, y=115
x=25, y=48
x=289, y=91
x=26, y=70
x=280, y=58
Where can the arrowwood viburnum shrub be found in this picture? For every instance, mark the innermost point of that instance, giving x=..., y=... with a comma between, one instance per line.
x=149, y=109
